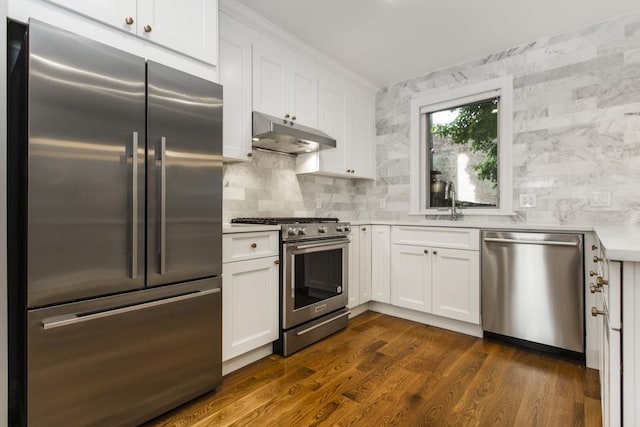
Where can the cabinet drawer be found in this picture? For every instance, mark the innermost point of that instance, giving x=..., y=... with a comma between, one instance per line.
x=241, y=246
x=456, y=238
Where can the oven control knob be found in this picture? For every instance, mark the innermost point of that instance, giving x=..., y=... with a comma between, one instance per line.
x=339, y=228
x=347, y=228
x=322, y=229
x=292, y=231
x=302, y=230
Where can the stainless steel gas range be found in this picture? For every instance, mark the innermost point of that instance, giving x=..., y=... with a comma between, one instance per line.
x=313, y=279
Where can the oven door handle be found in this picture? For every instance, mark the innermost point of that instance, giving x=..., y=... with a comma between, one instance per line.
x=332, y=242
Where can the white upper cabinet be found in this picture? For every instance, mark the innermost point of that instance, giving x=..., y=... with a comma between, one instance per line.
x=188, y=27
x=235, y=75
x=284, y=85
x=118, y=13
x=347, y=116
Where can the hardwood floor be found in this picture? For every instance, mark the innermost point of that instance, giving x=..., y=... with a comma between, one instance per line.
x=383, y=370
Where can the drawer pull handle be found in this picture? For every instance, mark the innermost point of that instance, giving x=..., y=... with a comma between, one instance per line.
x=600, y=281
x=594, y=247
x=595, y=312
x=597, y=259
x=593, y=288
x=254, y=245
x=592, y=273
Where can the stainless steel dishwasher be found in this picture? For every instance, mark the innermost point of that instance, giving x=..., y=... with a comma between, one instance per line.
x=533, y=289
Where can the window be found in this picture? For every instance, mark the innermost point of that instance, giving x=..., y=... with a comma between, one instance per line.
x=461, y=149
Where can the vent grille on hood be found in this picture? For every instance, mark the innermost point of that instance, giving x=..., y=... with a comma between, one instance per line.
x=272, y=133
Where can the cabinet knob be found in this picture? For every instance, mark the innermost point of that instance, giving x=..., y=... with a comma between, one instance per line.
x=147, y=28
x=364, y=228
x=597, y=259
x=594, y=247
x=286, y=116
x=592, y=273
x=249, y=155
x=593, y=288
x=426, y=251
x=293, y=118
x=254, y=245
x=129, y=20
x=276, y=262
x=595, y=312
x=435, y=252
x=600, y=281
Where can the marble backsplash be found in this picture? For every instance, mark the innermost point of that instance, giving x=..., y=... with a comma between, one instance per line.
x=576, y=130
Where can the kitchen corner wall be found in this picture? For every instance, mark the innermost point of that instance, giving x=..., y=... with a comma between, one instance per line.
x=576, y=125
x=576, y=130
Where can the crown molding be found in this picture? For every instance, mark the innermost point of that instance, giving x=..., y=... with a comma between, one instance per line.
x=268, y=29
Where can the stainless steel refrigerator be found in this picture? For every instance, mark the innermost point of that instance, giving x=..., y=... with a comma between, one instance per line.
x=115, y=242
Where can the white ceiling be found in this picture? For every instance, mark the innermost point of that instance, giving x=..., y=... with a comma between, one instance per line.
x=387, y=41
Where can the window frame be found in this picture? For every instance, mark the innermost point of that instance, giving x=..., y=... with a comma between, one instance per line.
x=437, y=100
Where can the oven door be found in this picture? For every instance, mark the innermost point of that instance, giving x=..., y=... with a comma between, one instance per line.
x=314, y=279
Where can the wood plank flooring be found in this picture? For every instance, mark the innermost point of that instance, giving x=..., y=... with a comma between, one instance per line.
x=385, y=371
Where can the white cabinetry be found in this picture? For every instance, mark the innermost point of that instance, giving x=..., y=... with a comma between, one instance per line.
x=360, y=266
x=284, y=85
x=235, y=75
x=187, y=27
x=250, y=282
x=442, y=280
x=348, y=117
x=381, y=263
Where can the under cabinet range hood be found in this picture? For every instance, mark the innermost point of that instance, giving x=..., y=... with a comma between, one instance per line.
x=285, y=136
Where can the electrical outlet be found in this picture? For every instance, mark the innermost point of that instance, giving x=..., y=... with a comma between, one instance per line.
x=600, y=199
x=318, y=203
x=382, y=203
x=528, y=200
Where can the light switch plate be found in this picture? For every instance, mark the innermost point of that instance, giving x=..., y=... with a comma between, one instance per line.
x=318, y=203
x=528, y=200
x=382, y=203
x=600, y=199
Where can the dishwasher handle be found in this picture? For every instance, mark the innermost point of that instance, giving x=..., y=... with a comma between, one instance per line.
x=531, y=242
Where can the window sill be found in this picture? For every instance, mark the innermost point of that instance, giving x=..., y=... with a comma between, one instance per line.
x=462, y=212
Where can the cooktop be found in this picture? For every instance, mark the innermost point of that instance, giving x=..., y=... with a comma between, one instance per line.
x=282, y=220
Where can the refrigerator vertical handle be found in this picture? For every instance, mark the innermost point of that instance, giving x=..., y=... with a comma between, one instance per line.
x=134, y=205
x=163, y=204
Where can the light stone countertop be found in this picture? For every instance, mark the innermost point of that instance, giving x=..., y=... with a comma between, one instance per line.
x=248, y=228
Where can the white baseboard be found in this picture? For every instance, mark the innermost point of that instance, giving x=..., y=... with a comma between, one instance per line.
x=427, y=319
x=358, y=310
x=246, y=359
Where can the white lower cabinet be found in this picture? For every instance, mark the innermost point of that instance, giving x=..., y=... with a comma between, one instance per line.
x=439, y=280
x=381, y=263
x=250, y=289
x=455, y=287
x=359, y=266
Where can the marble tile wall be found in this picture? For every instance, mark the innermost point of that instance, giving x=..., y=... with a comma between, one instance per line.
x=576, y=125
x=576, y=130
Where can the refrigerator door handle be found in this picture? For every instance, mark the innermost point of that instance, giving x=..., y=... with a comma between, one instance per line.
x=72, y=319
x=134, y=205
x=163, y=205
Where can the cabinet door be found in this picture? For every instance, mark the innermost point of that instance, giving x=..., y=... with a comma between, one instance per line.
x=456, y=284
x=331, y=120
x=114, y=13
x=235, y=76
x=269, y=81
x=190, y=28
x=381, y=263
x=249, y=305
x=411, y=277
x=358, y=138
x=365, y=263
x=303, y=95
x=354, y=270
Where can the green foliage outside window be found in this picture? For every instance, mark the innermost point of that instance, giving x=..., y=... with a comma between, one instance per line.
x=477, y=125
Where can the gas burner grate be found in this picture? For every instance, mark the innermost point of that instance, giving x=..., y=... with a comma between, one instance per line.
x=282, y=220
